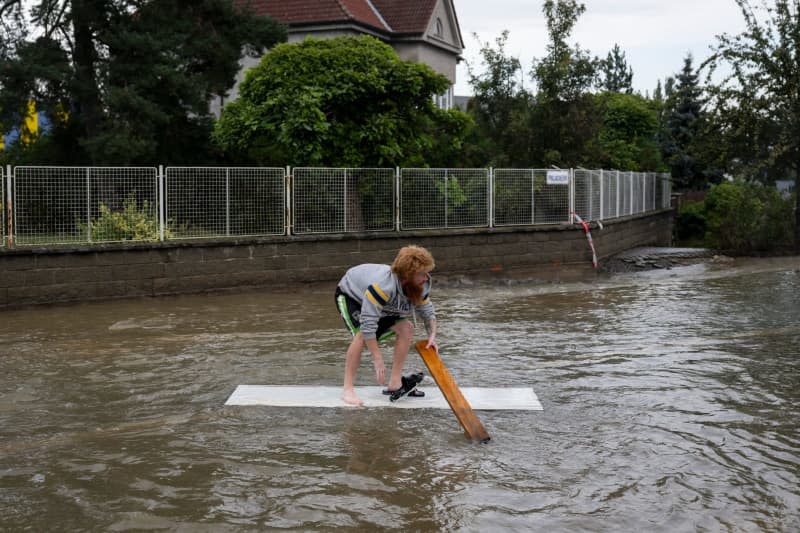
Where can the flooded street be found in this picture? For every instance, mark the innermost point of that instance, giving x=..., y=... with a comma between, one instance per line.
x=671, y=403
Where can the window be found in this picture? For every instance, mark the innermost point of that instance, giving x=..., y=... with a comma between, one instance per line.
x=439, y=27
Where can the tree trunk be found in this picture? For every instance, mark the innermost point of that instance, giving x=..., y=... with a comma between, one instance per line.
x=87, y=97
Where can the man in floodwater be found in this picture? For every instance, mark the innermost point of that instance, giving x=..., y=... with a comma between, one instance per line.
x=375, y=302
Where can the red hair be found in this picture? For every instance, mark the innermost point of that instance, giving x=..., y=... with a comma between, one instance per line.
x=410, y=260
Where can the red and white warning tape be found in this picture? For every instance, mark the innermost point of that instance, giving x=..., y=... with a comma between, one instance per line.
x=588, y=233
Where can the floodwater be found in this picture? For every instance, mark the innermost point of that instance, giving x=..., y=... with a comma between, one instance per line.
x=671, y=402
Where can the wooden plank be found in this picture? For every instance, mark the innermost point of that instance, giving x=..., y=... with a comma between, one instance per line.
x=461, y=408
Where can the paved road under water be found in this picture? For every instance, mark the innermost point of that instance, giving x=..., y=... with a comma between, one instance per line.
x=671, y=404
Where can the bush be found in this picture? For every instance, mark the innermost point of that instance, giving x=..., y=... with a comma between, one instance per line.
x=132, y=223
x=744, y=217
x=690, y=225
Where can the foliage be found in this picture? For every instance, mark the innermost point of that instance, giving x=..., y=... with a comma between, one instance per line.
x=615, y=74
x=565, y=117
x=684, y=120
x=501, y=107
x=131, y=223
x=565, y=73
x=131, y=81
x=627, y=138
x=345, y=102
x=690, y=224
x=746, y=216
x=757, y=104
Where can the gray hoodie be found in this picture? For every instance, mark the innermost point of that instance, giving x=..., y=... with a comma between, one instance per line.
x=379, y=291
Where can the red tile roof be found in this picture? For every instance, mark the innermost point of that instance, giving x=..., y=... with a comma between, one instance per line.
x=404, y=16
x=394, y=16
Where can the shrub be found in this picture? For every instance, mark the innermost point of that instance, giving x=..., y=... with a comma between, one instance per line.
x=131, y=223
x=690, y=225
x=744, y=216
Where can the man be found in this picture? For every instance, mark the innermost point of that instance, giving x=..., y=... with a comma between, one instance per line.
x=375, y=302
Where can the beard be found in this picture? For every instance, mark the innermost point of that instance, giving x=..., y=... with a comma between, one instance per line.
x=413, y=292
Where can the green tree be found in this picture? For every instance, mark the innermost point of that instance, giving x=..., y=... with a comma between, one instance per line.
x=501, y=106
x=564, y=73
x=745, y=216
x=349, y=101
x=683, y=122
x=758, y=102
x=126, y=81
x=615, y=74
x=565, y=117
x=627, y=137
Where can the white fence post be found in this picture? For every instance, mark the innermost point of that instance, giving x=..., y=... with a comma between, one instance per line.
x=287, y=183
x=490, y=185
x=8, y=209
x=162, y=204
x=571, y=200
x=397, y=198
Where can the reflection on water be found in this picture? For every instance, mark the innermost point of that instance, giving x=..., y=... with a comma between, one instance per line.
x=671, y=403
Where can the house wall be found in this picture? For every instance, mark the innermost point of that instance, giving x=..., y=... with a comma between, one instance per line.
x=442, y=62
x=62, y=275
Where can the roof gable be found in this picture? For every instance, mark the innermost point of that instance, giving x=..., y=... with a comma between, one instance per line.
x=299, y=12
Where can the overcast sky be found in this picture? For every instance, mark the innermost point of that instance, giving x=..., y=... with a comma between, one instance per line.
x=654, y=34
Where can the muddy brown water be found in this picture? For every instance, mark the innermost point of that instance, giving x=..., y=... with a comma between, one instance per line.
x=671, y=403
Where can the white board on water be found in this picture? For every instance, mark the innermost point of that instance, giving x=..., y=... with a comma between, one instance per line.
x=479, y=398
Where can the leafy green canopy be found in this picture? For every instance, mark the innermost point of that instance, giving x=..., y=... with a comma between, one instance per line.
x=344, y=102
x=757, y=106
x=124, y=81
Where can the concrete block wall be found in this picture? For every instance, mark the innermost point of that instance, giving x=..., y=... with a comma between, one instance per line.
x=61, y=275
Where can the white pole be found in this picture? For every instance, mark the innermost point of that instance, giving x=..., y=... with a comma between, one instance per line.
x=88, y=204
x=162, y=204
x=490, y=186
x=227, y=201
x=287, y=190
x=8, y=209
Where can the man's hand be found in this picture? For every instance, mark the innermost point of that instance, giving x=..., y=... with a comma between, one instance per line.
x=432, y=343
x=380, y=370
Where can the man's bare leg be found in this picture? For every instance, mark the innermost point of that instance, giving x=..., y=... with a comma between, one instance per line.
x=351, y=363
x=405, y=334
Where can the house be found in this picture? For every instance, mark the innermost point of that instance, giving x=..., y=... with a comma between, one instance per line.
x=424, y=31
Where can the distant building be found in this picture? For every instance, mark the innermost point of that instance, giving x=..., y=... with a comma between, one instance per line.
x=34, y=123
x=423, y=31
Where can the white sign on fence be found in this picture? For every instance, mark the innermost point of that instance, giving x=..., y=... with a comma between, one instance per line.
x=558, y=177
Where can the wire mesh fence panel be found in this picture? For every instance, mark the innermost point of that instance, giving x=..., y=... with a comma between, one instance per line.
x=638, y=192
x=662, y=191
x=625, y=188
x=342, y=200
x=588, y=193
x=610, y=194
x=514, y=193
x=650, y=192
x=203, y=202
x=444, y=197
x=62, y=205
x=523, y=196
x=124, y=204
x=256, y=201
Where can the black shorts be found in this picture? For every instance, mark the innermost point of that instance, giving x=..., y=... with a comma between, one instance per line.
x=350, y=310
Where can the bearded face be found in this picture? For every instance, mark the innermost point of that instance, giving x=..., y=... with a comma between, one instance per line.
x=413, y=287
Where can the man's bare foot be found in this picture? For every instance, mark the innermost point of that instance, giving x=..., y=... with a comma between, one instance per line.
x=349, y=397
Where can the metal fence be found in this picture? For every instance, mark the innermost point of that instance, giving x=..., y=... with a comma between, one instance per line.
x=62, y=205
x=342, y=200
x=203, y=202
x=444, y=198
